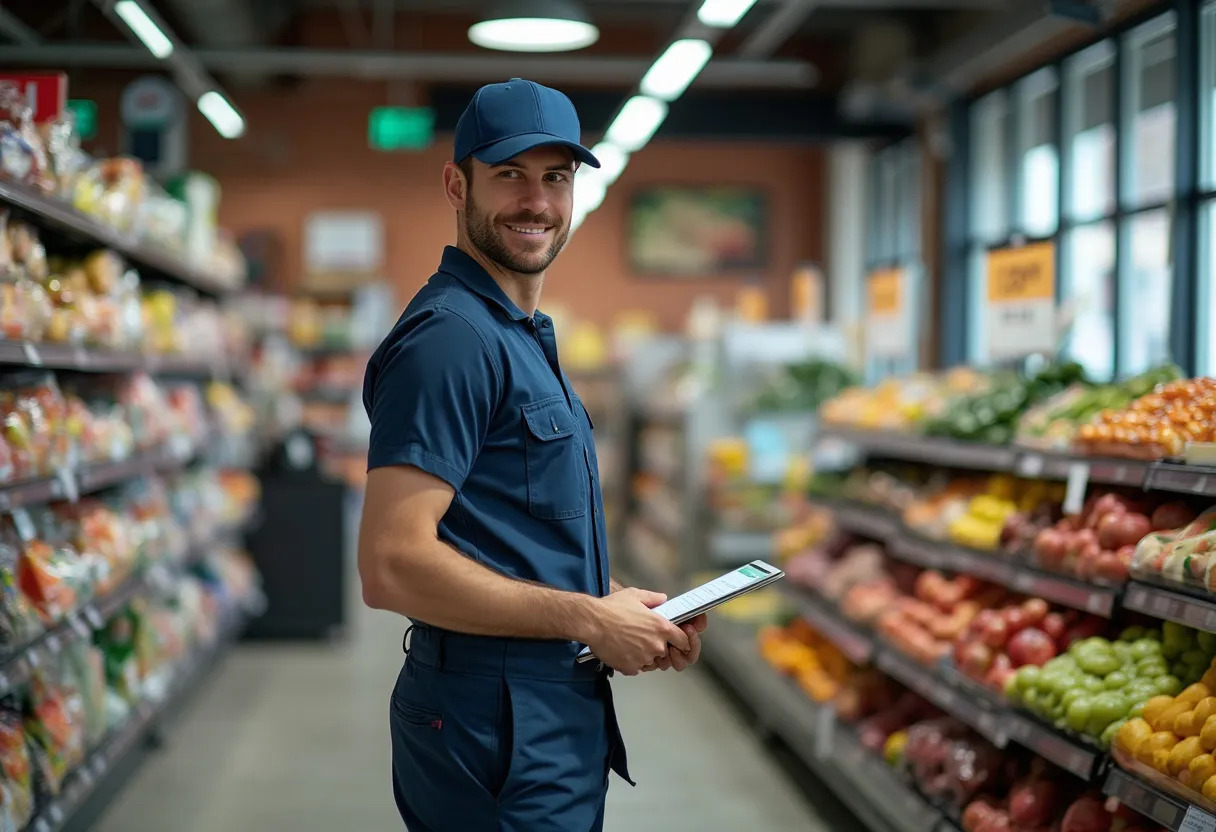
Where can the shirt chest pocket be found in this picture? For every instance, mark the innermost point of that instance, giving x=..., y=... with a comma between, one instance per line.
x=556, y=470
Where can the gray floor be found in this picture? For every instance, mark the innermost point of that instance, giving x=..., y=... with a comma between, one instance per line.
x=293, y=737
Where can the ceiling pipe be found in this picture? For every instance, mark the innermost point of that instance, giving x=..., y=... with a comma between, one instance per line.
x=15, y=30
x=220, y=24
x=776, y=29
x=721, y=73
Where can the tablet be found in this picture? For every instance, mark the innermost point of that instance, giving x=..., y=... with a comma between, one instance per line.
x=704, y=598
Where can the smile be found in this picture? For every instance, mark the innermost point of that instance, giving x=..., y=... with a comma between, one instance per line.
x=528, y=229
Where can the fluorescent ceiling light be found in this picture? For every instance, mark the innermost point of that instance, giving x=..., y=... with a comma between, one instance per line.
x=612, y=161
x=535, y=26
x=636, y=123
x=675, y=69
x=149, y=34
x=723, y=14
x=222, y=115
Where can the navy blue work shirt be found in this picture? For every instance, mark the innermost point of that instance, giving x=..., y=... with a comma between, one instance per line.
x=468, y=387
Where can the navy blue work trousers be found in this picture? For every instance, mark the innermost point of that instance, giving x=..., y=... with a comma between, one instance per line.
x=501, y=735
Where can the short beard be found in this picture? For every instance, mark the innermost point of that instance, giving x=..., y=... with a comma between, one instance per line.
x=489, y=242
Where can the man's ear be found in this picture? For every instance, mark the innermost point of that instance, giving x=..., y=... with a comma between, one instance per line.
x=455, y=187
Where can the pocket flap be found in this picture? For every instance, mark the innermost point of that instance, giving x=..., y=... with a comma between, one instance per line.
x=549, y=419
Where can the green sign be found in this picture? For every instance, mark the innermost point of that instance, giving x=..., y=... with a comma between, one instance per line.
x=85, y=112
x=401, y=128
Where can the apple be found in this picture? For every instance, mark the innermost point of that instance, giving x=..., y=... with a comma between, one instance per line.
x=1030, y=646
x=1171, y=516
x=1015, y=619
x=1126, y=529
x=974, y=659
x=1050, y=547
x=1035, y=610
x=1033, y=804
x=1055, y=625
x=995, y=632
x=1087, y=814
x=1109, y=567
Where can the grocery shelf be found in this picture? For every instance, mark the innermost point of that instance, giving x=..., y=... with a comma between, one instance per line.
x=1050, y=744
x=1161, y=807
x=86, y=782
x=99, y=475
x=1185, y=609
x=981, y=712
x=99, y=360
x=870, y=789
x=910, y=547
x=855, y=643
x=1030, y=463
x=64, y=220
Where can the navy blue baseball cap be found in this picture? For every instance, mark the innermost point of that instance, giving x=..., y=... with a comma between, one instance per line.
x=505, y=120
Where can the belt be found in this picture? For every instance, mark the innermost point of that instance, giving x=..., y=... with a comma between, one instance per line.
x=497, y=656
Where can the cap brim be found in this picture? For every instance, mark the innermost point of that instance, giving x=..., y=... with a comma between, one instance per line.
x=501, y=151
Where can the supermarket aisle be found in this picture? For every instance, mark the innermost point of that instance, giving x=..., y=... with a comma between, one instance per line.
x=293, y=737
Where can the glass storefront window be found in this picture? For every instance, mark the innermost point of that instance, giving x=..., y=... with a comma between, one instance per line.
x=1087, y=298
x=1038, y=158
x=989, y=208
x=1089, y=132
x=1207, y=285
x=1149, y=95
x=1146, y=284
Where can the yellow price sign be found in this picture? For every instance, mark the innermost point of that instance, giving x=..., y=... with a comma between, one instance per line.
x=885, y=288
x=1022, y=274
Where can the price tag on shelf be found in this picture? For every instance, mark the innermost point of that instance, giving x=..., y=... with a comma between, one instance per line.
x=93, y=615
x=1197, y=820
x=67, y=481
x=1077, y=485
x=825, y=731
x=31, y=354
x=56, y=814
x=1029, y=466
x=24, y=525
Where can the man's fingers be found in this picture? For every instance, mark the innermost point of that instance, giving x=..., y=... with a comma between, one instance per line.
x=677, y=637
x=651, y=599
x=694, y=655
x=679, y=660
x=699, y=623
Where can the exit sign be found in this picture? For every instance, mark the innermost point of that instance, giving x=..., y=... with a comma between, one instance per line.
x=401, y=128
x=85, y=112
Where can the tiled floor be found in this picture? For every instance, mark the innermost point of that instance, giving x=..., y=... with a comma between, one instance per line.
x=294, y=738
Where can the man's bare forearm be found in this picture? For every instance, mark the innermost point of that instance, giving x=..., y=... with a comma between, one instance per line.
x=437, y=584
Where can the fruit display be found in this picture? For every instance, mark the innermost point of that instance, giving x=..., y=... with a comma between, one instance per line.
x=951, y=764
x=1156, y=425
x=1023, y=632
x=800, y=652
x=1053, y=424
x=1100, y=543
x=1177, y=551
x=900, y=404
x=1097, y=685
x=984, y=523
x=1171, y=737
x=991, y=415
x=926, y=625
x=1044, y=800
x=886, y=730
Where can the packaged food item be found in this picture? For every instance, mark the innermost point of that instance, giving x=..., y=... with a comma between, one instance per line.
x=64, y=155
x=55, y=724
x=86, y=666
x=118, y=642
x=16, y=771
x=111, y=190
x=19, y=622
x=22, y=154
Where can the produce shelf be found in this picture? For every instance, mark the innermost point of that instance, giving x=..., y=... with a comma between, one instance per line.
x=98, y=475
x=1029, y=463
x=1194, y=612
x=65, y=221
x=87, y=781
x=1163, y=808
x=982, y=713
x=864, y=520
x=854, y=642
x=870, y=789
x=1052, y=745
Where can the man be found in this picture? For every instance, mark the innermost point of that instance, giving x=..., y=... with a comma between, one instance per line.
x=483, y=516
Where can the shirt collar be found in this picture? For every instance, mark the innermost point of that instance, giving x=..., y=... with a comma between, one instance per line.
x=471, y=273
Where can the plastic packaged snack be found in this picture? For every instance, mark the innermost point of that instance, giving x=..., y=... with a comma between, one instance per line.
x=86, y=666
x=19, y=622
x=55, y=723
x=22, y=154
x=16, y=771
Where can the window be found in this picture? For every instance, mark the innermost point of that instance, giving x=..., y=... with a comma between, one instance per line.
x=1207, y=99
x=1088, y=298
x=1149, y=113
x=1207, y=284
x=1089, y=132
x=1038, y=160
x=1146, y=280
x=989, y=207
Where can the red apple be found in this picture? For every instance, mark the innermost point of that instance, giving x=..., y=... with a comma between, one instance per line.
x=1035, y=609
x=1171, y=516
x=995, y=632
x=1087, y=814
x=975, y=658
x=1109, y=567
x=1055, y=625
x=1124, y=529
x=1015, y=619
x=1087, y=627
x=1030, y=646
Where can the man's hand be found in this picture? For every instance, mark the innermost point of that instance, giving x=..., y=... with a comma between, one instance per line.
x=681, y=659
x=629, y=635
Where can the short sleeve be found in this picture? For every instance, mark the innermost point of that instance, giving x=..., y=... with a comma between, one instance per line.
x=430, y=396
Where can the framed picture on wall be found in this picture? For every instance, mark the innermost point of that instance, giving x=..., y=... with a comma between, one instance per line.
x=697, y=231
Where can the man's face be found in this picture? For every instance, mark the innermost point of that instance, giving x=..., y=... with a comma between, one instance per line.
x=518, y=213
